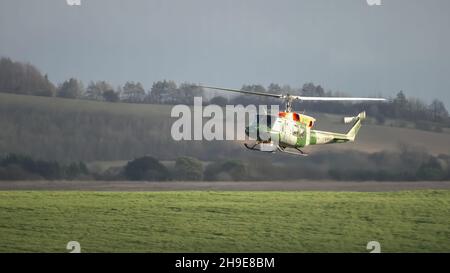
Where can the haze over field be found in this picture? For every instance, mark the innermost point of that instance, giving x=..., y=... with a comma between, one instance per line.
x=345, y=46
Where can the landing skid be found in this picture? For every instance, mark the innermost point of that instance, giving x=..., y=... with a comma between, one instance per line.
x=250, y=147
x=299, y=152
x=257, y=147
x=254, y=148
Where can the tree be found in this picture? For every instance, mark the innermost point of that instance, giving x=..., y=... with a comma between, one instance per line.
x=20, y=78
x=219, y=100
x=254, y=87
x=246, y=100
x=287, y=89
x=226, y=170
x=75, y=170
x=111, y=96
x=188, y=168
x=438, y=110
x=319, y=92
x=400, y=104
x=274, y=88
x=186, y=93
x=400, y=99
x=46, y=169
x=96, y=91
x=146, y=168
x=47, y=89
x=71, y=89
x=163, y=92
x=418, y=109
x=431, y=170
x=133, y=92
x=308, y=89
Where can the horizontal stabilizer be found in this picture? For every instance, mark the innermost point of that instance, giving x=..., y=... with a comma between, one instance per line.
x=360, y=116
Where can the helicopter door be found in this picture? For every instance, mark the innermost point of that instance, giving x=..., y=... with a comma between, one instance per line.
x=289, y=132
x=303, y=134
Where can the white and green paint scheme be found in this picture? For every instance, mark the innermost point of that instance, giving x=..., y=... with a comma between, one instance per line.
x=293, y=130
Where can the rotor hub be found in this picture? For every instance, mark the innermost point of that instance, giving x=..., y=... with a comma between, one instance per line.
x=288, y=105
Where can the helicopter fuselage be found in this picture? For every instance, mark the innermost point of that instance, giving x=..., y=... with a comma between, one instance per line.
x=293, y=130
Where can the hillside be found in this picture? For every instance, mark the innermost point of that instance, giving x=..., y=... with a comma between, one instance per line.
x=68, y=130
x=374, y=138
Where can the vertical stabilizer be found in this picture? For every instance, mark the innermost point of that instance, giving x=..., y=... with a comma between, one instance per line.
x=356, y=126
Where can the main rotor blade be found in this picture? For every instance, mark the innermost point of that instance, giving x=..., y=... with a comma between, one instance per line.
x=335, y=99
x=244, y=92
x=281, y=96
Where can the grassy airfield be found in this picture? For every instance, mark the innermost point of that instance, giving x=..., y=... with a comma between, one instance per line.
x=245, y=221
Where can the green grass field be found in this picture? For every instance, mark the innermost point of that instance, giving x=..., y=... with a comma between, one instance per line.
x=42, y=221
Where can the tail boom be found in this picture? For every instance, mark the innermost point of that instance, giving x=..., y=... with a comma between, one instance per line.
x=323, y=137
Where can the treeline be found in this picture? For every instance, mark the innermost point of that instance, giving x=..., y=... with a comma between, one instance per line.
x=407, y=164
x=162, y=92
x=185, y=169
x=431, y=116
x=25, y=79
x=19, y=78
x=21, y=167
x=404, y=165
x=146, y=168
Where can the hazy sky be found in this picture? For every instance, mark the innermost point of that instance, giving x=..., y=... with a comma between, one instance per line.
x=345, y=45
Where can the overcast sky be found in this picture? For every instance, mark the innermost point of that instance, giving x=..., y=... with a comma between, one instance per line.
x=345, y=45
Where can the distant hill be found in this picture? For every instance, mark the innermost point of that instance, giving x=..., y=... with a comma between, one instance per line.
x=69, y=129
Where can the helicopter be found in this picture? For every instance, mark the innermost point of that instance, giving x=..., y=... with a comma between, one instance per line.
x=289, y=131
